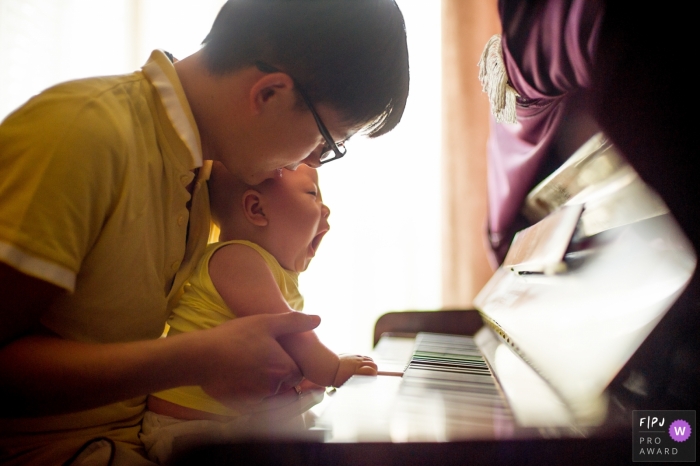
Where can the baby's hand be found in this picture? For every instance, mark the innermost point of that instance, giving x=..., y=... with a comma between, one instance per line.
x=351, y=364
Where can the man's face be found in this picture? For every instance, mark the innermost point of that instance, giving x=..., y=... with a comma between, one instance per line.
x=297, y=217
x=288, y=139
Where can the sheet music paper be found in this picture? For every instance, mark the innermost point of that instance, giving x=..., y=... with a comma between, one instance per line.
x=541, y=248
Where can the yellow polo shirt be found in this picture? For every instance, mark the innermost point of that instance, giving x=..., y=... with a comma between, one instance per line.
x=93, y=177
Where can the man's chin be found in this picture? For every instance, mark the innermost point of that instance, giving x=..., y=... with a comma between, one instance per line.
x=258, y=178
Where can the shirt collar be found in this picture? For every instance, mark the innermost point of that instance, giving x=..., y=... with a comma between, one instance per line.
x=161, y=74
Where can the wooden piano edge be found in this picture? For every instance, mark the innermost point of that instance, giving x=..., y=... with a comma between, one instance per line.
x=408, y=323
x=599, y=451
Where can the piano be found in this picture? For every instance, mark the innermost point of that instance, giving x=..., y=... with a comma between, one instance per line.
x=565, y=341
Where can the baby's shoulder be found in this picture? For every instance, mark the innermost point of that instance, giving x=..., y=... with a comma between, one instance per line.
x=237, y=251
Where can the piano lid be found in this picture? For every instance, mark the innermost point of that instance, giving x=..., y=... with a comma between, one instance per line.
x=626, y=264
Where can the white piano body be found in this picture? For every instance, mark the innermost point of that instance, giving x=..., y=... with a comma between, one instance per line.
x=576, y=296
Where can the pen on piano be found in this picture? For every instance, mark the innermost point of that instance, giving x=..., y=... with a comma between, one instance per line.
x=393, y=373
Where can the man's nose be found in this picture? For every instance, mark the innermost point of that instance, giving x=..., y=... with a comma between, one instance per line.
x=313, y=160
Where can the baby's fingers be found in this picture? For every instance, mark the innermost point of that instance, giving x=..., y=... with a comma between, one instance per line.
x=369, y=362
x=366, y=370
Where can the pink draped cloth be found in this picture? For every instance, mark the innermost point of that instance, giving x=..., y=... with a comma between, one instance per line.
x=548, y=49
x=630, y=72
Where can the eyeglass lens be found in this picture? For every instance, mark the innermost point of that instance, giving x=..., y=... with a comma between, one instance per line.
x=328, y=153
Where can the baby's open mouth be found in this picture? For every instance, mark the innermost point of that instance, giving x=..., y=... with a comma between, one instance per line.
x=317, y=241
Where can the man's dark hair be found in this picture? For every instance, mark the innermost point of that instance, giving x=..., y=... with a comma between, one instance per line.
x=348, y=54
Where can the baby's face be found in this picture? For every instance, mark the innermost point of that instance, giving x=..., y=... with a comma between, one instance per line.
x=297, y=217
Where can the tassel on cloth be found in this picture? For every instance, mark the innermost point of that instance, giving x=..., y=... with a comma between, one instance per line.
x=494, y=82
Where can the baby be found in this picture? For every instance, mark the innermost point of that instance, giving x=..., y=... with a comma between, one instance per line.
x=269, y=234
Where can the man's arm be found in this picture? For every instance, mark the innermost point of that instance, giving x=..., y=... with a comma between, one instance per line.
x=248, y=287
x=43, y=374
x=22, y=299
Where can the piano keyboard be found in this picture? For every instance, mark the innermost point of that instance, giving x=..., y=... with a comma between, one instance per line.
x=447, y=393
x=452, y=372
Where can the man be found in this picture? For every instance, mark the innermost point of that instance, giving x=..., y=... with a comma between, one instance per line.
x=103, y=215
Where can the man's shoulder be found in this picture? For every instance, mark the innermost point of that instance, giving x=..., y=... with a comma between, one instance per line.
x=89, y=114
x=91, y=101
x=98, y=87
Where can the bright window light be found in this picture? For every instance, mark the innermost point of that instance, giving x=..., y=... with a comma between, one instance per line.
x=383, y=251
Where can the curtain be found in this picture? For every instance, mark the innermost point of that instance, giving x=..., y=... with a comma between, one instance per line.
x=466, y=27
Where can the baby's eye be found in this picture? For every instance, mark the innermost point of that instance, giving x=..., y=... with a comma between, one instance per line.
x=313, y=193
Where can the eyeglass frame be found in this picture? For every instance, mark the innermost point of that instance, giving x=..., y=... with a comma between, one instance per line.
x=332, y=146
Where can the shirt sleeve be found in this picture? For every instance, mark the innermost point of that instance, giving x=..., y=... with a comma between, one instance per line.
x=60, y=166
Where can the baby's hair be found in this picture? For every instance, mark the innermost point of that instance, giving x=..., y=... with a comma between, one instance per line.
x=226, y=193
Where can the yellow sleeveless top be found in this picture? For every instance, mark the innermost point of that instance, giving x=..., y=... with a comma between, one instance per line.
x=201, y=307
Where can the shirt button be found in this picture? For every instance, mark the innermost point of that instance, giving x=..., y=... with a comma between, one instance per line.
x=181, y=220
x=185, y=179
x=175, y=266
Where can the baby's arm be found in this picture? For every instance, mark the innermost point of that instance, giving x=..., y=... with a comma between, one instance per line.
x=248, y=287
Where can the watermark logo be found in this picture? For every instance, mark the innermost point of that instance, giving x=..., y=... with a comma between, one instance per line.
x=679, y=430
x=663, y=436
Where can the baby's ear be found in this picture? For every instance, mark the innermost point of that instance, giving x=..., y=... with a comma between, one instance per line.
x=253, y=208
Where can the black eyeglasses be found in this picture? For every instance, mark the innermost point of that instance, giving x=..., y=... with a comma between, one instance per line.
x=331, y=150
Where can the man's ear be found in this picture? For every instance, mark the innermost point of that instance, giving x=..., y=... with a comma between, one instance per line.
x=270, y=86
x=253, y=208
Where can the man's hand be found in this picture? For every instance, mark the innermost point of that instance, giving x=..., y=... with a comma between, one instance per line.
x=245, y=363
x=351, y=364
x=239, y=360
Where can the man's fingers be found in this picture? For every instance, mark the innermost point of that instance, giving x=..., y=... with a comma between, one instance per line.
x=292, y=322
x=306, y=385
x=289, y=382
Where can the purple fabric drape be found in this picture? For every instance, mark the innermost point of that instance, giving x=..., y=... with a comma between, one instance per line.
x=628, y=69
x=548, y=49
